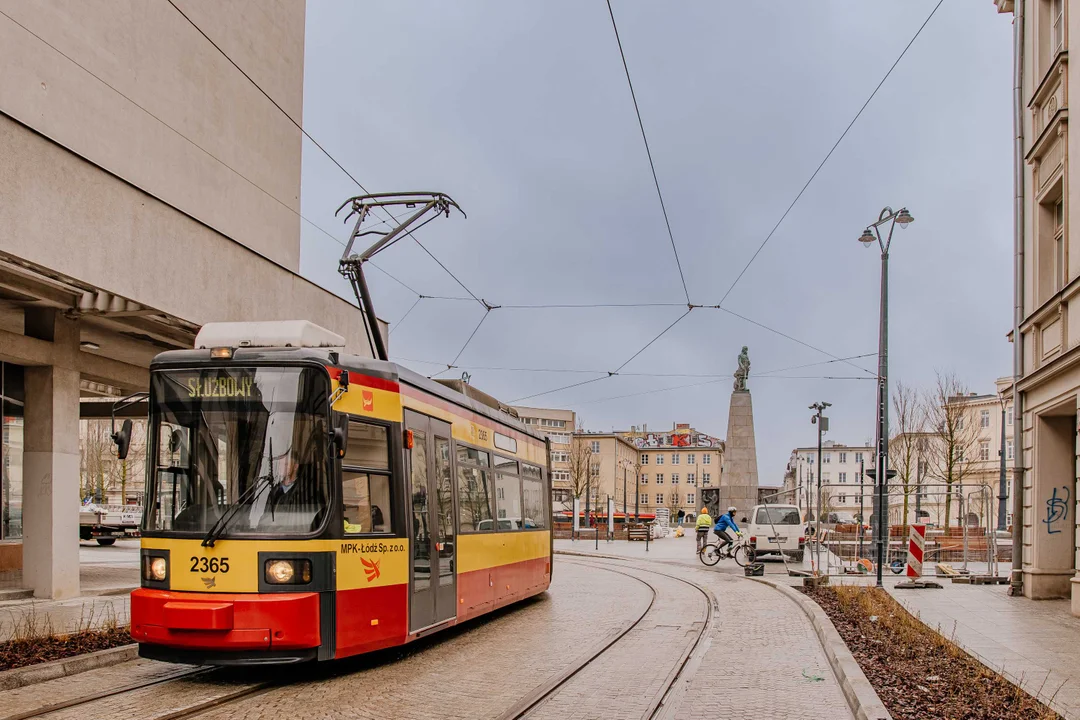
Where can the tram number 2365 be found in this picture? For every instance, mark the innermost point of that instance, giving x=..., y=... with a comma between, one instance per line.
x=205, y=564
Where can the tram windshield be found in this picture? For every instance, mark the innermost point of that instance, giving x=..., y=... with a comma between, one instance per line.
x=239, y=451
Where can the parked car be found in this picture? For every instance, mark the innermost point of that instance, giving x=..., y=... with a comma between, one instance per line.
x=105, y=523
x=777, y=529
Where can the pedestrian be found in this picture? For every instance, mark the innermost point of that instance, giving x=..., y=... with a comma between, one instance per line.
x=704, y=522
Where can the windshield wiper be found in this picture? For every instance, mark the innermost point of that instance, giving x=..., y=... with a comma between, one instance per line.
x=218, y=528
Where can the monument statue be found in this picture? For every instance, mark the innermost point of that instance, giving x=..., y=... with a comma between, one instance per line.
x=743, y=372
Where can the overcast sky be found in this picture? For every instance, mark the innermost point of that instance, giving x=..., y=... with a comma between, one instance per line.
x=521, y=112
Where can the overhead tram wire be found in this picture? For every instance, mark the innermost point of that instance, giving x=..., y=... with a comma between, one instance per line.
x=391, y=217
x=611, y=373
x=648, y=151
x=314, y=141
x=829, y=154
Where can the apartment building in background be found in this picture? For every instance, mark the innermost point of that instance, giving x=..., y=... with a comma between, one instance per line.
x=675, y=466
x=612, y=466
x=921, y=461
x=558, y=426
x=842, y=468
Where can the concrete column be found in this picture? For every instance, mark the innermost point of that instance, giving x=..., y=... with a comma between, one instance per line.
x=51, y=462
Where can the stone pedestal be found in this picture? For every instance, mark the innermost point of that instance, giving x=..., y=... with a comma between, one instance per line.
x=739, y=481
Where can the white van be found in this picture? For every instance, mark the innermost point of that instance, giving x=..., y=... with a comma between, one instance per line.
x=777, y=529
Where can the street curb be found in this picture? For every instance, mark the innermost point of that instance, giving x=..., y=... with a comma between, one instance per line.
x=859, y=693
x=66, y=667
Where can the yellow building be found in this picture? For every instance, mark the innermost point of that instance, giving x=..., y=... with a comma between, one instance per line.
x=675, y=466
x=612, y=463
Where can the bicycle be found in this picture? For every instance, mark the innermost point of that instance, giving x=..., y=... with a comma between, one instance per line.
x=740, y=550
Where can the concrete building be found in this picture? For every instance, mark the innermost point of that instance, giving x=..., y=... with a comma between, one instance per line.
x=147, y=187
x=1047, y=295
x=675, y=466
x=558, y=426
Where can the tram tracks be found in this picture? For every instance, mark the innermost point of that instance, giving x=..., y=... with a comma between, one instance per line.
x=663, y=702
x=226, y=697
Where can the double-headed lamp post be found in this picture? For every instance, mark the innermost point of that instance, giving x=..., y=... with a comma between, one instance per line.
x=869, y=236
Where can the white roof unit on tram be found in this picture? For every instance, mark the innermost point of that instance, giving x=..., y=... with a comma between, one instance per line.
x=273, y=334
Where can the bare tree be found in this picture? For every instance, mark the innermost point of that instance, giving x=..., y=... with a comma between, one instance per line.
x=580, y=463
x=952, y=452
x=908, y=422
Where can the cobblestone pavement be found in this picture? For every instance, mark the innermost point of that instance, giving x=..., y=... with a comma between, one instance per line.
x=632, y=675
x=760, y=659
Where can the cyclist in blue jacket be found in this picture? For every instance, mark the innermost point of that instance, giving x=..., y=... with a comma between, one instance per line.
x=724, y=522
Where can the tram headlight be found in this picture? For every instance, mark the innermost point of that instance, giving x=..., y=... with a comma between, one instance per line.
x=288, y=572
x=155, y=569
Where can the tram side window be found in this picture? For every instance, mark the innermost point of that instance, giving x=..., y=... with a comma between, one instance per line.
x=508, y=501
x=367, y=502
x=474, y=492
x=534, y=509
x=365, y=480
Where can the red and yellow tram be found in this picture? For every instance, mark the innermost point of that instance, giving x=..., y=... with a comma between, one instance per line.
x=305, y=504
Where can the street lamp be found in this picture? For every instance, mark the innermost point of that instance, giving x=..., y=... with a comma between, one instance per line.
x=822, y=423
x=869, y=235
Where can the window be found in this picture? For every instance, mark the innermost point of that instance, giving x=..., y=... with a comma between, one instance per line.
x=560, y=475
x=596, y=446
x=959, y=454
x=1009, y=417
x=826, y=458
x=560, y=495
x=777, y=516
x=960, y=422
x=534, y=509
x=689, y=498
x=507, y=495
x=1009, y=449
x=659, y=478
x=643, y=498
x=706, y=459
x=559, y=438
x=659, y=459
x=1060, y=271
x=644, y=459
x=690, y=479
x=545, y=422
x=644, y=479
x=984, y=419
x=674, y=458
x=842, y=499
x=674, y=478
x=984, y=449
x=690, y=459
x=594, y=470
x=842, y=459
x=659, y=498
x=705, y=478
x=810, y=458
x=474, y=490
x=843, y=477
x=365, y=484
x=858, y=457
x=559, y=456
x=1057, y=26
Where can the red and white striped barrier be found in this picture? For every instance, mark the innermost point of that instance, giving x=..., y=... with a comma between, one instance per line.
x=916, y=545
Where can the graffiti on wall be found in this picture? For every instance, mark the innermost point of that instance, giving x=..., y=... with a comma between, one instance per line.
x=1057, y=510
x=686, y=440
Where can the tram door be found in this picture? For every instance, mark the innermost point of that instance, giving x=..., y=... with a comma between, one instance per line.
x=431, y=532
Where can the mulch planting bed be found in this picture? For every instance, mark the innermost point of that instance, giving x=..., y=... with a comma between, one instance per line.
x=20, y=653
x=918, y=673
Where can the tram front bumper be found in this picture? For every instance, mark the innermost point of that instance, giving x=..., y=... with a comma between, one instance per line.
x=225, y=621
